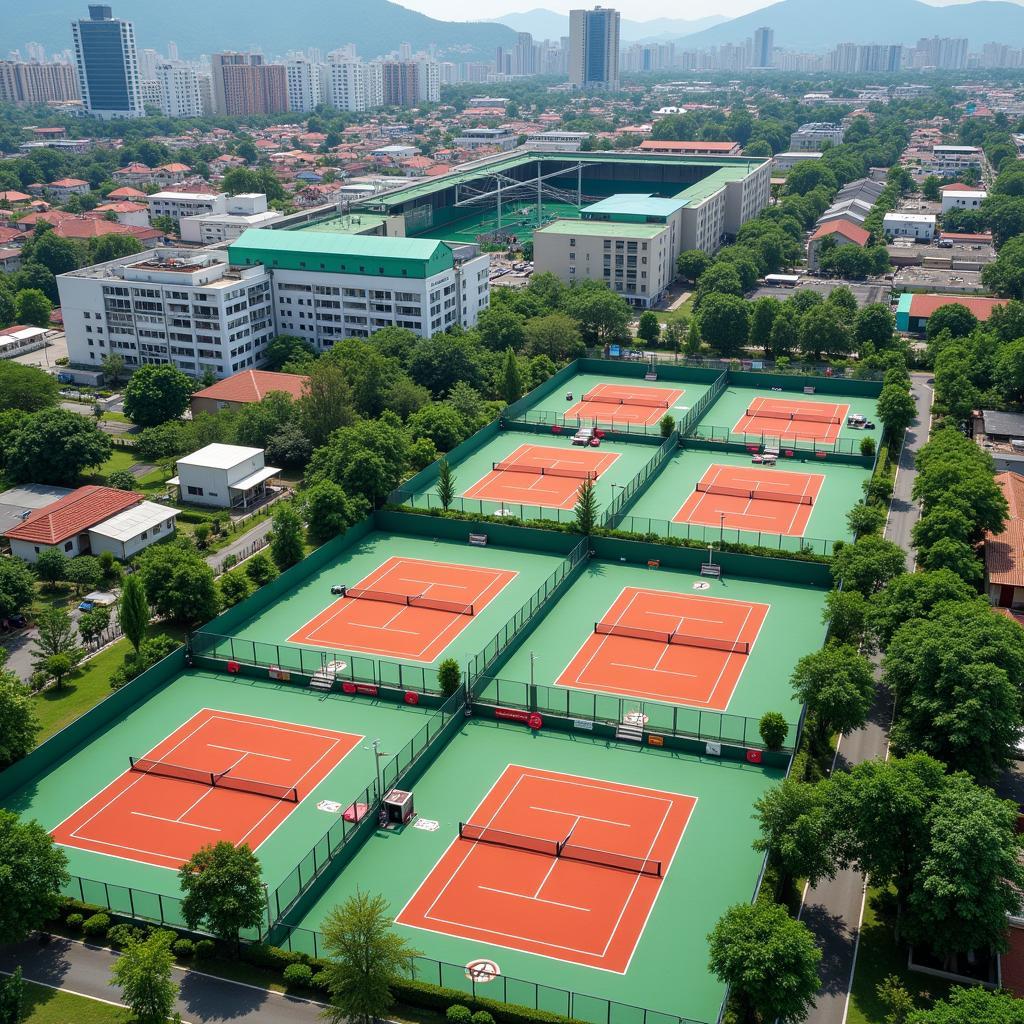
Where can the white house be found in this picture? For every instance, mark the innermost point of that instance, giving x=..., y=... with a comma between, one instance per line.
x=223, y=476
x=75, y=522
x=962, y=197
x=919, y=226
x=130, y=531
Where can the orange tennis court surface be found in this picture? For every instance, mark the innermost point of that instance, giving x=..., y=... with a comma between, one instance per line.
x=793, y=418
x=373, y=624
x=644, y=405
x=764, y=500
x=515, y=479
x=155, y=819
x=667, y=663
x=582, y=911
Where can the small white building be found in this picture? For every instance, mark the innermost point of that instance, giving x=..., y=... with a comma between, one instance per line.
x=223, y=476
x=135, y=528
x=557, y=141
x=962, y=198
x=241, y=212
x=919, y=226
x=789, y=160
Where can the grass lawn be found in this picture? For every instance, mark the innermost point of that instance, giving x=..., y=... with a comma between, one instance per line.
x=88, y=686
x=877, y=957
x=683, y=312
x=48, y=1006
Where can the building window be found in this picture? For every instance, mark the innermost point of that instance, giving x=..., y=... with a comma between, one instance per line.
x=69, y=545
x=198, y=491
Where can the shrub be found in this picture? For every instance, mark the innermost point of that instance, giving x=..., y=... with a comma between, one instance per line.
x=482, y=1017
x=229, y=562
x=459, y=1014
x=271, y=958
x=773, y=729
x=449, y=676
x=205, y=949
x=97, y=925
x=433, y=997
x=867, y=446
x=667, y=425
x=121, y=935
x=74, y=921
x=321, y=981
x=183, y=948
x=298, y=976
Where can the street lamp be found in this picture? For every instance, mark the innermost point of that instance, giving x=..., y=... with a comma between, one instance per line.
x=377, y=755
x=721, y=527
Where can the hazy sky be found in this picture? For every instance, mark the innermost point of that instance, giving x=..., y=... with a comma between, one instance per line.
x=637, y=10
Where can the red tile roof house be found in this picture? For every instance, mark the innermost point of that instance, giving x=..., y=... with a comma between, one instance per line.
x=1004, y=552
x=64, y=188
x=245, y=388
x=91, y=520
x=842, y=232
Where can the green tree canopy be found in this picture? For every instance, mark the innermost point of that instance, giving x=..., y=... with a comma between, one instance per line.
x=156, y=394
x=33, y=871
x=26, y=387
x=868, y=563
x=222, y=890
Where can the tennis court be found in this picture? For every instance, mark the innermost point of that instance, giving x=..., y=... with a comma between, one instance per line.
x=727, y=645
x=542, y=475
x=665, y=646
x=790, y=417
x=625, y=932
x=219, y=777
x=555, y=864
x=626, y=403
x=674, y=506
x=744, y=499
x=408, y=608
x=518, y=219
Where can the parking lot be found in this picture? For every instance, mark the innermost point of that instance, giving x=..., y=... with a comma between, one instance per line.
x=864, y=292
x=930, y=279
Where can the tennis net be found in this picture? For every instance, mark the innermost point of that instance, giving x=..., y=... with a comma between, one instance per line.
x=559, y=848
x=597, y=396
x=220, y=780
x=798, y=414
x=519, y=467
x=746, y=492
x=410, y=600
x=664, y=637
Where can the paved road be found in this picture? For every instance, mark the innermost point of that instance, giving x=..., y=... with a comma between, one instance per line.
x=834, y=909
x=239, y=545
x=85, y=970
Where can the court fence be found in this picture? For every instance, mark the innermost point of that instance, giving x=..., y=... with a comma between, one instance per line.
x=584, y=708
x=556, y=423
x=478, y=506
x=696, y=411
x=360, y=817
x=212, y=650
x=538, y=603
x=785, y=445
x=631, y=491
x=503, y=989
x=699, y=533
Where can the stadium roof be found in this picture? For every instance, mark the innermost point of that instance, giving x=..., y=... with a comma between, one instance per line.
x=635, y=205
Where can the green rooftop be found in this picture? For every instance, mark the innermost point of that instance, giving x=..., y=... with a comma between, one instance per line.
x=602, y=229
x=339, y=253
x=633, y=205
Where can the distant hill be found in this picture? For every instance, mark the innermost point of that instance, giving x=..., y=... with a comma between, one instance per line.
x=820, y=24
x=199, y=26
x=544, y=24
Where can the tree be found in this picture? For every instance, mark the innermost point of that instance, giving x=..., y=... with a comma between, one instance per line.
x=17, y=586
x=837, y=685
x=768, y=960
x=440, y=422
x=439, y=363
x=846, y=612
x=52, y=565
x=143, y=972
x=445, y=484
x=122, y=479
x=222, y=890
x=12, y=998
x=26, y=387
x=284, y=348
x=913, y=596
x=92, y=624
x=957, y=677
x=556, y=336
x=84, y=573
x=261, y=569
x=289, y=447
x=32, y=308
x=824, y=329
x=971, y=876
x=691, y=263
x=54, y=447
x=113, y=246
x=585, y=512
x=931, y=188
x=234, y=586
x=773, y=729
x=179, y=585
x=603, y=316
x=719, y=279
x=56, y=643
x=971, y=1006
x=795, y=828
x=648, y=328
x=724, y=323
x=956, y=555
x=955, y=318
x=19, y=726
x=449, y=677
x=369, y=458
x=133, y=610
x=365, y=955
x=785, y=334
x=501, y=328
x=874, y=324
x=1008, y=371
x=895, y=998
x=868, y=563
x=896, y=408
x=326, y=403
x=286, y=547
x=329, y=511
x=511, y=379
x=862, y=519
x=33, y=871
x=156, y=394
x=762, y=319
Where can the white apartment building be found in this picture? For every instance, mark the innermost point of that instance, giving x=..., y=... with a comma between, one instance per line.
x=487, y=138
x=187, y=308
x=815, y=136
x=329, y=286
x=180, y=95
x=919, y=226
x=558, y=142
x=303, y=84
x=962, y=198
x=241, y=212
x=949, y=161
x=177, y=205
x=351, y=85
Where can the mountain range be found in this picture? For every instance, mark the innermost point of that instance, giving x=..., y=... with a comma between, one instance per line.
x=820, y=24
x=544, y=24
x=198, y=26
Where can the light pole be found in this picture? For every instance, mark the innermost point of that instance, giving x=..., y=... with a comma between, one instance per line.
x=377, y=755
x=721, y=527
x=533, y=658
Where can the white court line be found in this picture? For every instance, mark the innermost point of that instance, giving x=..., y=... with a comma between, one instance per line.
x=535, y=899
x=251, y=753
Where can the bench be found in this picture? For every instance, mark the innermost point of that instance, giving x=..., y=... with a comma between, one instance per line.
x=710, y=569
x=650, y=376
x=478, y=540
x=809, y=390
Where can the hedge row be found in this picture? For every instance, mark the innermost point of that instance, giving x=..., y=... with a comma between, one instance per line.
x=434, y=997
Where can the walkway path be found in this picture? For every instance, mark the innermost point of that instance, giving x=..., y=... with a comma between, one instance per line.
x=834, y=909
